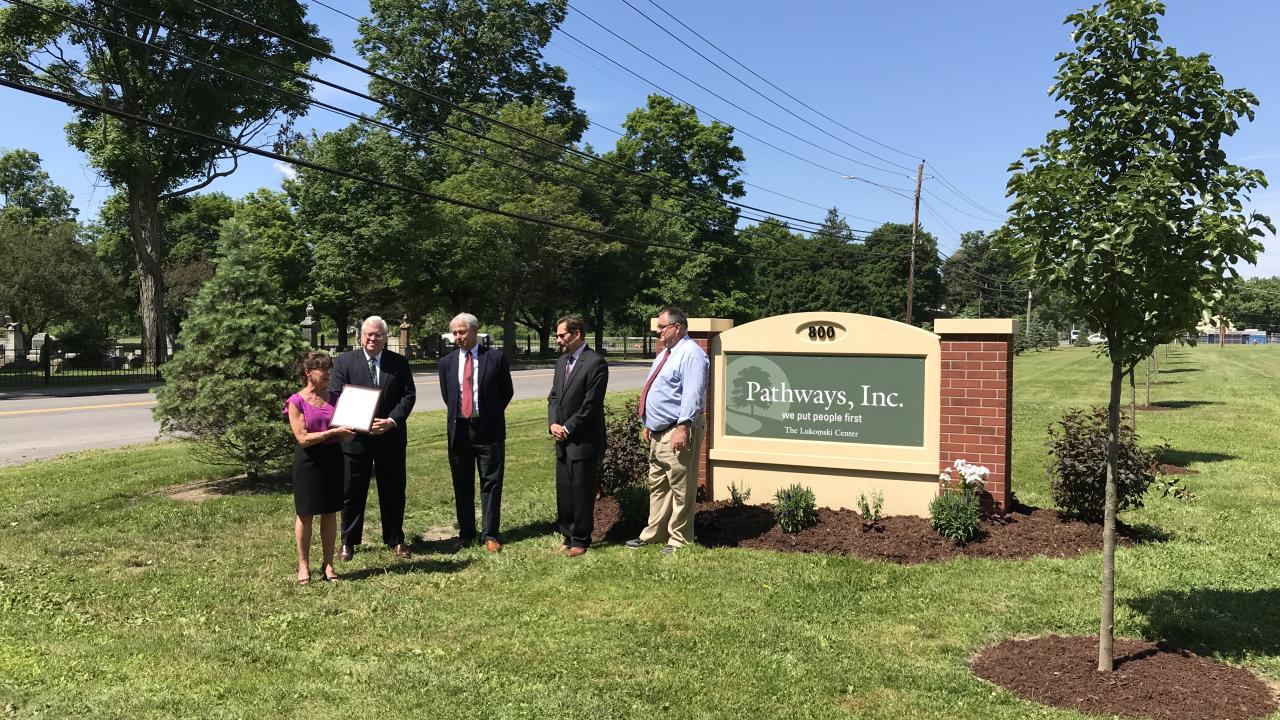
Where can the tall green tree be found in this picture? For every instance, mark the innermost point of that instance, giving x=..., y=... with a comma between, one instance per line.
x=983, y=279
x=271, y=225
x=886, y=268
x=27, y=193
x=1253, y=303
x=225, y=389
x=817, y=272
x=518, y=264
x=452, y=52
x=372, y=250
x=690, y=169
x=1132, y=209
x=138, y=76
x=50, y=277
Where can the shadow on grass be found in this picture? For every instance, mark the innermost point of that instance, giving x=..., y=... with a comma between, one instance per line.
x=1182, y=404
x=266, y=484
x=1182, y=458
x=1143, y=533
x=1179, y=370
x=423, y=565
x=1234, y=624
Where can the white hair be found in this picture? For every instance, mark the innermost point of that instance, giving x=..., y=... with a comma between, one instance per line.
x=473, y=323
x=375, y=320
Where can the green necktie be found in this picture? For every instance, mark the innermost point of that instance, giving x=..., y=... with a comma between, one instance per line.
x=373, y=372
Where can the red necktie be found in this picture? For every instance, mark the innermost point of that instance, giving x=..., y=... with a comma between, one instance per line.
x=644, y=394
x=468, y=381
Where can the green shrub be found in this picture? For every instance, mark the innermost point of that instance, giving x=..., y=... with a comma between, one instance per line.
x=737, y=495
x=626, y=459
x=633, y=502
x=225, y=388
x=870, y=511
x=794, y=509
x=956, y=515
x=1078, y=470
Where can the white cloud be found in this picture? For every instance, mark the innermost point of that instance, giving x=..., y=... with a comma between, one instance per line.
x=285, y=169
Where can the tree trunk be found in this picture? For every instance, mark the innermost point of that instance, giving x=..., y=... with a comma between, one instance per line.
x=509, y=329
x=144, y=227
x=1107, y=605
x=544, y=332
x=1148, y=365
x=340, y=319
x=1133, y=401
x=599, y=323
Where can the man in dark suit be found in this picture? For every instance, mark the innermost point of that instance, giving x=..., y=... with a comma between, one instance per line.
x=575, y=418
x=475, y=383
x=382, y=449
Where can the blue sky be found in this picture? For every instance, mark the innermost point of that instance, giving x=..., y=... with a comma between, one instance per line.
x=961, y=85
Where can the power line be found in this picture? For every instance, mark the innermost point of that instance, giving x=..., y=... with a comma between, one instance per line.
x=784, y=92
x=946, y=183
x=525, y=151
x=481, y=116
x=359, y=117
x=742, y=82
x=951, y=186
x=728, y=101
x=85, y=104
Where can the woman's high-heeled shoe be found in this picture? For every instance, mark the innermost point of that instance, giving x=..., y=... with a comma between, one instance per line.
x=328, y=568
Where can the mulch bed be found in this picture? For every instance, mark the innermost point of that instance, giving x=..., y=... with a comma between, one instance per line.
x=1149, y=680
x=1023, y=533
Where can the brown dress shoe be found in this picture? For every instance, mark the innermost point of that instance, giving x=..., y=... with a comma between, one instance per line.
x=577, y=551
x=401, y=551
x=492, y=545
x=346, y=553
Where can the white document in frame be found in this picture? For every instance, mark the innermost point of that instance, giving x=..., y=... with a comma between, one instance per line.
x=355, y=407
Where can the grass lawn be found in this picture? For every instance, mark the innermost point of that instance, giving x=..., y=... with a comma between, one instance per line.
x=117, y=602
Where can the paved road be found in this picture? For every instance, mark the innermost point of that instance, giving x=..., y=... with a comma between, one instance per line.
x=35, y=426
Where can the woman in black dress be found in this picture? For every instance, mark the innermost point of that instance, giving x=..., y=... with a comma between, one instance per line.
x=317, y=463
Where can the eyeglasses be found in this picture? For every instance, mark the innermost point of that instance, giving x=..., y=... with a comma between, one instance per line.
x=564, y=335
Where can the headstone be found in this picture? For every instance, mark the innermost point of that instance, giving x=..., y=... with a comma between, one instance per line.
x=38, y=341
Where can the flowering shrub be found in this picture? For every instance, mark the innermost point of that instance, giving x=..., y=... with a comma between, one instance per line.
x=957, y=511
x=967, y=476
x=794, y=509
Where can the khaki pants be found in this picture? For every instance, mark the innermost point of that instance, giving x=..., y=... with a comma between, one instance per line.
x=673, y=488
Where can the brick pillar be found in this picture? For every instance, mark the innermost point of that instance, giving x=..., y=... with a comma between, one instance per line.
x=701, y=331
x=977, y=399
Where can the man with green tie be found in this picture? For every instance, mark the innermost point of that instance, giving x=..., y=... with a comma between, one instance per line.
x=380, y=451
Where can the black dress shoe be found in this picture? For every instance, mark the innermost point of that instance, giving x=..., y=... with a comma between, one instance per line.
x=346, y=553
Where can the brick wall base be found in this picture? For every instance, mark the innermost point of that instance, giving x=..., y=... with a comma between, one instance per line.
x=977, y=408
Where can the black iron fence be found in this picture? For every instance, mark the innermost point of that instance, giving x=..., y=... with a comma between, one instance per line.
x=54, y=366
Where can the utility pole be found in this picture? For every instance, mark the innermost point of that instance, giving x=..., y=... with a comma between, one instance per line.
x=915, y=226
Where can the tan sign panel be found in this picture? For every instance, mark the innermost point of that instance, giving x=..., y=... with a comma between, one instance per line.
x=845, y=404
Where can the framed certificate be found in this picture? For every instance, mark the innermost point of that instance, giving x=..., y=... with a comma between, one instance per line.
x=355, y=407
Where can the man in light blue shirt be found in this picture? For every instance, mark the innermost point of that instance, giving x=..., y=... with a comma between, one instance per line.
x=671, y=408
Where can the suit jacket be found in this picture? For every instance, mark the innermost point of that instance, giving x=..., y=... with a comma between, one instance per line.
x=493, y=378
x=579, y=405
x=398, y=391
